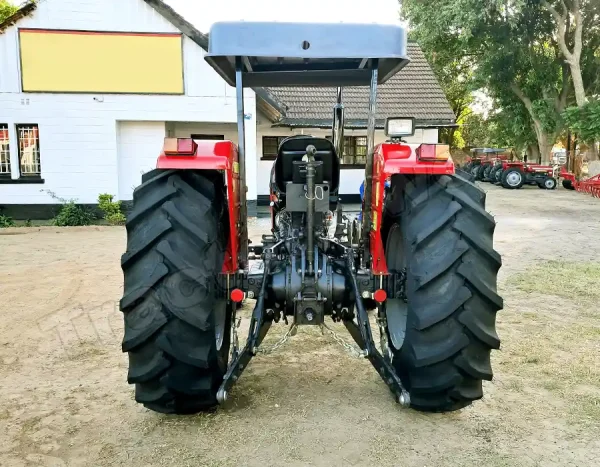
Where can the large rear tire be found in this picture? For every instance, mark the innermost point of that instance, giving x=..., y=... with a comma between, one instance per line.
x=176, y=331
x=437, y=230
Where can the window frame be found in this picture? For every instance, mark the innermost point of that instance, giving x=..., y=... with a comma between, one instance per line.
x=4, y=127
x=271, y=157
x=22, y=176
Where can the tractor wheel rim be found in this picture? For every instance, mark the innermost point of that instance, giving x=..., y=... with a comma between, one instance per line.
x=513, y=178
x=549, y=184
x=220, y=322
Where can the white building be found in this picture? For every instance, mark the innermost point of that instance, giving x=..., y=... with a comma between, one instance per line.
x=90, y=88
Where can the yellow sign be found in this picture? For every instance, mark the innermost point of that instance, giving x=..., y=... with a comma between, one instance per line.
x=236, y=167
x=101, y=62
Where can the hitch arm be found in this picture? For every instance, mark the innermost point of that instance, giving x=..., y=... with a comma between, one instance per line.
x=258, y=330
x=383, y=366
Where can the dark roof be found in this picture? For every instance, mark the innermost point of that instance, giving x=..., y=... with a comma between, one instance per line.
x=23, y=11
x=413, y=92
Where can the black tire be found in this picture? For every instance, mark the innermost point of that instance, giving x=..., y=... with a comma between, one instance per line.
x=176, y=331
x=568, y=185
x=486, y=172
x=549, y=183
x=475, y=170
x=438, y=230
x=498, y=176
x=510, y=178
x=465, y=175
x=480, y=170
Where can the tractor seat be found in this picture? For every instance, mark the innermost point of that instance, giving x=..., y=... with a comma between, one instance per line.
x=293, y=149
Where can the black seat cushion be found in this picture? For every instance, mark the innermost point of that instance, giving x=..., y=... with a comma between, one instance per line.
x=294, y=149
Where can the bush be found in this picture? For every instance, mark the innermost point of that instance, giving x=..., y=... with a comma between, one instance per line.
x=6, y=221
x=111, y=209
x=72, y=214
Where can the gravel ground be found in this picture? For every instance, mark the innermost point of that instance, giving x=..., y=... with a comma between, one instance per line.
x=65, y=400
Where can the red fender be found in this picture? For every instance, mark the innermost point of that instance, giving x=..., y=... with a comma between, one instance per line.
x=187, y=154
x=396, y=158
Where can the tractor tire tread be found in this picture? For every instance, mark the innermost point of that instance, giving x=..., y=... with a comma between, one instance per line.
x=170, y=269
x=452, y=272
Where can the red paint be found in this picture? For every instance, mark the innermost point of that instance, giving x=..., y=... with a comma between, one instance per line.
x=390, y=159
x=215, y=155
x=237, y=295
x=525, y=167
x=380, y=296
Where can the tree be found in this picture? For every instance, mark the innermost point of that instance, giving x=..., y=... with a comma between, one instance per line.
x=577, y=30
x=6, y=9
x=474, y=130
x=510, y=49
x=570, y=26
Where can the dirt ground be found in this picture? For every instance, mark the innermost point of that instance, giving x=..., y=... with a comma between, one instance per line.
x=65, y=400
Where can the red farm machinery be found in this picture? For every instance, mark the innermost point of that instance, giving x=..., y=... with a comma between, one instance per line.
x=422, y=254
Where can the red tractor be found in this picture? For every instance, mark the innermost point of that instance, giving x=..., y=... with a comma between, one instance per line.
x=484, y=162
x=423, y=253
x=515, y=174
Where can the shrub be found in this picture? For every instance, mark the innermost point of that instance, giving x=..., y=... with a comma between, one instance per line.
x=111, y=209
x=6, y=221
x=72, y=214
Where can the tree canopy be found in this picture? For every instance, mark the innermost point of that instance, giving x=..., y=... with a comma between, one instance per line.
x=511, y=50
x=6, y=9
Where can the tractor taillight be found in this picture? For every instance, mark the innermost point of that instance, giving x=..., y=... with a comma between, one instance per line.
x=237, y=295
x=433, y=152
x=179, y=147
x=379, y=295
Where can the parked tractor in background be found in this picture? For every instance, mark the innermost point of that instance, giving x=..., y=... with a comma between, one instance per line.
x=515, y=174
x=484, y=162
x=423, y=252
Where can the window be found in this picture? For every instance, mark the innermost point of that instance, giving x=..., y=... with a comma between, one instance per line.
x=29, y=150
x=270, y=144
x=4, y=151
x=355, y=152
x=209, y=137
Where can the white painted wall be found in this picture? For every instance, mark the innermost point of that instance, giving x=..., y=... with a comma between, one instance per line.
x=350, y=179
x=136, y=146
x=78, y=132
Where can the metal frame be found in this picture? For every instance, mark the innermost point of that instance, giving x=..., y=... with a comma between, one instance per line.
x=243, y=223
x=366, y=221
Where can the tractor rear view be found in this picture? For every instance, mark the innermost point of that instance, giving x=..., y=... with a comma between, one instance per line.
x=422, y=252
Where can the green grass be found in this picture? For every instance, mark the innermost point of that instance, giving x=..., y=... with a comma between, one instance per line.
x=577, y=281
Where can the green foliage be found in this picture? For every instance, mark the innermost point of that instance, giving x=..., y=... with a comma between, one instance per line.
x=6, y=221
x=585, y=121
x=72, y=214
x=506, y=48
x=27, y=223
x=475, y=131
x=6, y=9
x=111, y=209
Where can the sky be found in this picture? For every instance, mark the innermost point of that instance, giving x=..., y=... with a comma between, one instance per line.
x=202, y=13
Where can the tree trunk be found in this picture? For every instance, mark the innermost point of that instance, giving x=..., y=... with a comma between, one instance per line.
x=593, y=152
x=533, y=153
x=578, y=84
x=545, y=142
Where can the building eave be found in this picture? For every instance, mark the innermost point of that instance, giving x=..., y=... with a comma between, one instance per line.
x=355, y=124
x=22, y=12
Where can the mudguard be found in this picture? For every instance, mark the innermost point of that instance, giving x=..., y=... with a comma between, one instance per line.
x=390, y=159
x=187, y=154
